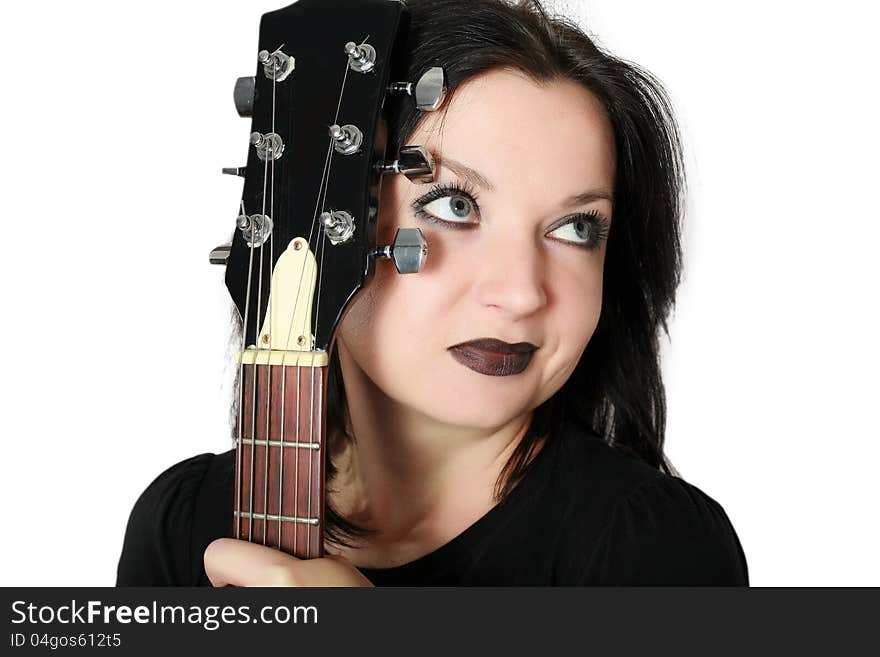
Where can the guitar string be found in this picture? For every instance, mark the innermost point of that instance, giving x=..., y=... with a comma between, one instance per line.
x=321, y=243
x=283, y=371
x=296, y=451
x=239, y=447
x=323, y=187
x=321, y=195
x=323, y=239
x=317, y=309
x=309, y=242
x=312, y=453
x=299, y=297
x=323, y=248
x=281, y=459
x=281, y=448
x=259, y=347
x=271, y=310
x=304, y=299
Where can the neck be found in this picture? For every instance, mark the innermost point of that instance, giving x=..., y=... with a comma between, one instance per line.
x=446, y=474
x=279, y=466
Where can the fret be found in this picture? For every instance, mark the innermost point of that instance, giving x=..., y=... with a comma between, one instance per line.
x=278, y=443
x=264, y=516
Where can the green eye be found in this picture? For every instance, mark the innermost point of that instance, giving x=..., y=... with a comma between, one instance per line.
x=576, y=231
x=450, y=208
x=586, y=230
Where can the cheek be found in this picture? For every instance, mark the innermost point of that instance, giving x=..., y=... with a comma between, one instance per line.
x=361, y=328
x=354, y=329
x=368, y=310
x=386, y=323
x=578, y=300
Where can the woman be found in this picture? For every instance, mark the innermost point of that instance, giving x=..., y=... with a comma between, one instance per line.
x=497, y=418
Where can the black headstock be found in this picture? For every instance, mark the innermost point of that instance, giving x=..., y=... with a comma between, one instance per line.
x=310, y=78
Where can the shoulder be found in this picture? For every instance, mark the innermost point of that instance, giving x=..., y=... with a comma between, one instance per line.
x=634, y=525
x=156, y=548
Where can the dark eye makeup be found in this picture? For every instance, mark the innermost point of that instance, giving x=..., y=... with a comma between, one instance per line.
x=453, y=191
x=463, y=197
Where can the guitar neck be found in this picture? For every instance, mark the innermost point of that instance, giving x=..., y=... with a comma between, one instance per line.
x=279, y=464
x=311, y=195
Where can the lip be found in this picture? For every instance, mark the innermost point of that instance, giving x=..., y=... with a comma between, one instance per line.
x=494, y=357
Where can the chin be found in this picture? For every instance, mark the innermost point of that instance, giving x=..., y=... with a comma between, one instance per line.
x=475, y=412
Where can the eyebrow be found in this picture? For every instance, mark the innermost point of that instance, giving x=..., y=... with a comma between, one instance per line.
x=589, y=197
x=478, y=179
x=464, y=171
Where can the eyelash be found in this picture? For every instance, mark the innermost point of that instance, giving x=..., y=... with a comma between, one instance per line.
x=440, y=191
x=599, y=225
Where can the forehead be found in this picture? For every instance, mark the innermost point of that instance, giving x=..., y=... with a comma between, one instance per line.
x=554, y=137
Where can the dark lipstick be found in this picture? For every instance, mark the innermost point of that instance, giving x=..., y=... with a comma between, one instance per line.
x=493, y=357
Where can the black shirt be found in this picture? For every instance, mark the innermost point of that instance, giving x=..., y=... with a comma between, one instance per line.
x=584, y=514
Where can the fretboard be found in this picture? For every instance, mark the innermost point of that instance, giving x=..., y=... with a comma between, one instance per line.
x=279, y=465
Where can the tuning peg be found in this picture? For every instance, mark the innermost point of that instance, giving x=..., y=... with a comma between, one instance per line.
x=276, y=65
x=415, y=162
x=347, y=139
x=243, y=94
x=361, y=58
x=269, y=146
x=408, y=251
x=428, y=92
x=338, y=226
x=235, y=171
x=219, y=255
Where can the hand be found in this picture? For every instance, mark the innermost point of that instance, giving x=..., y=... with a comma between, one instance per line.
x=240, y=563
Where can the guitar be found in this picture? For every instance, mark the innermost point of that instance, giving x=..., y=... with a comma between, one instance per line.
x=305, y=240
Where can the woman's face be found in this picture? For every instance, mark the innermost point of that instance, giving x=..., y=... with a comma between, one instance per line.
x=514, y=225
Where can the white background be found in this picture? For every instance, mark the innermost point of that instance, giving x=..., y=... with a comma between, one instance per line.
x=117, y=117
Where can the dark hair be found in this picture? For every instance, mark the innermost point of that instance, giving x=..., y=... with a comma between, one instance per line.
x=617, y=388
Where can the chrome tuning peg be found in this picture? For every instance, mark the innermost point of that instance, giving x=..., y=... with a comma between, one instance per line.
x=220, y=254
x=347, y=139
x=276, y=65
x=269, y=146
x=415, y=162
x=235, y=171
x=255, y=228
x=243, y=94
x=408, y=251
x=361, y=58
x=428, y=92
x=338, y=226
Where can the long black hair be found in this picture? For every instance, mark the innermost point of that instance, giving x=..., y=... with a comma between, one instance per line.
x=616, y=389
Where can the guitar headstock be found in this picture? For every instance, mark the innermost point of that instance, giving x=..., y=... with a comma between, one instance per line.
x=316, y=159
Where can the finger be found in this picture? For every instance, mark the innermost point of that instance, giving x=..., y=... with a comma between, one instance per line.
x=240, y=563
x=332, y=570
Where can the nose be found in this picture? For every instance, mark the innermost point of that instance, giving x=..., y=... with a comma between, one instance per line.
x=510, y=275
